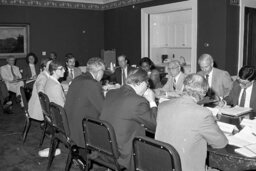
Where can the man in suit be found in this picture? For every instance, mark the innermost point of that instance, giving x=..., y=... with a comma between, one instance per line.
x=11, y=76
x=176, y=77
x=71, y=71
x=34, y=106
x=243, y=92
x=129, y=109
x=84, y=98
x=219, y=81
x=120, y=74
x=53, y=88
x=188, y=126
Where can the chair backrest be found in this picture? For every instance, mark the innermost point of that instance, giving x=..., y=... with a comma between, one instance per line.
x=24, y=99
x=152, y=155
x=45, y=102
x=99, y=135
x=59, y=118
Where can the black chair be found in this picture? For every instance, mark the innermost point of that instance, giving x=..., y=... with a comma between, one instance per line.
x=152, y=155
x=61, y=134
x=44, y=101
x=100, y=137
x=27, y=117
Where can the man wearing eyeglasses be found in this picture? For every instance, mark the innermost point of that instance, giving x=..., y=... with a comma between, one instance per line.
x=220, y=82
x=129, y=109
x=243, y=92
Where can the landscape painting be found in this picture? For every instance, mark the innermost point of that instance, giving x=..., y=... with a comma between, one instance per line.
x=14, y=40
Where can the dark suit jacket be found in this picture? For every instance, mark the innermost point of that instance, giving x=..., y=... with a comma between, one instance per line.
x=127, y=112
x=67, y=77
x=27, y=72
x=84, y=98
x=117, y=75
x=233, y=97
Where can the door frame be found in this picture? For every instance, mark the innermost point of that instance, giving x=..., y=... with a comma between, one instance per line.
x=178, y=6
x=243, y=4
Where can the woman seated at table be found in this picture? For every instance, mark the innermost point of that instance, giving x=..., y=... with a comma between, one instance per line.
x=243, y=92
x=31, y=70
x=153, y=74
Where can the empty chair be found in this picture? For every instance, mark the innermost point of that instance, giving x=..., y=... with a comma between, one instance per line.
x=44, y=101
x=100, y=136
x=152, y=155
x=61, y=134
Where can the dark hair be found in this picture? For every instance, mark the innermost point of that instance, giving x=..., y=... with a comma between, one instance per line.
x=43, y=63
x=69, y=56
x=31, y=54
x=247, y=73
x=55, y=54
x=136, y=76
x=54, y=66
x=147, y=60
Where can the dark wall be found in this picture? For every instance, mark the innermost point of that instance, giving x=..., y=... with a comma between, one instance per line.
x=218, y=24
x=59, y=30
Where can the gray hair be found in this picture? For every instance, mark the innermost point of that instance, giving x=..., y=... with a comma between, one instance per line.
x=95, y=64
x=204, y=57
x=176, y=62
x=196, y=86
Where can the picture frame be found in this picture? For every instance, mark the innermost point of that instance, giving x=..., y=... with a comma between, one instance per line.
x=14, y=40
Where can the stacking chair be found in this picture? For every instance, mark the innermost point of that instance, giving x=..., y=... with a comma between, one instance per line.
x=152, y=155
x=61, y=134
x=27, y=117
x=100, y=137
x=44, y=101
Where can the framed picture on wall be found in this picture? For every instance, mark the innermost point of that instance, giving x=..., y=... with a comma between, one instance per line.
x=14, y=40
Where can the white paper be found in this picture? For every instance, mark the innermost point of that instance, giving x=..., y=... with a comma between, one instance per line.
x=232, y=140
x=245, y=152
x=248, y=122
x=227, y=128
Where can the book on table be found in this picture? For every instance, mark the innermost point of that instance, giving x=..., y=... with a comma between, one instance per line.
x=235, y=111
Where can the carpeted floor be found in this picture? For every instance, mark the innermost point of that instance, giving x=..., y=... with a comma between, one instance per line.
x=16, y=156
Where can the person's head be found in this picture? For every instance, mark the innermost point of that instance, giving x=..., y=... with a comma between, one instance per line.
x=205, y=62
x=53, y=56
x=31, y=58
x=122, y=61
x=174, y=68
x=96, y=67
x=70, y=60
x=146, y=64
x=43, y=64
x=10, y=60
x=195, y=86
x=138, y=80
x=56, y=69
x=247, y=75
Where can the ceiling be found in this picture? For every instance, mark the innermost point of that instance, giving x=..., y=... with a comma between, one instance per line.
x=74, y=4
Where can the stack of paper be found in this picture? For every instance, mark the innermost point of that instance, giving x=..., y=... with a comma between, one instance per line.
x=248, y=122
x=245, y=137
x=235, y=111
x=248, y=151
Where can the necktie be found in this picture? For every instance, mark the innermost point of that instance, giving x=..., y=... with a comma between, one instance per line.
x=209, y=92
x=242, y=101
x=13, y=74
x=72, y=73
x=207, y=78
x=174, y=84
x=123, y=76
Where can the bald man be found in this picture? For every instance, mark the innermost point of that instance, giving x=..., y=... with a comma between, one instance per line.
x=219, y=81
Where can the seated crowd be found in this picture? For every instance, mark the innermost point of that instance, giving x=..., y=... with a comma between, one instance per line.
x=132, y=108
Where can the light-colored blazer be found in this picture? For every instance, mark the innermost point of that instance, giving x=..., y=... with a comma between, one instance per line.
x=34, y=106
x=221, y=82
x=54, y=91
x=6, y=74
x=179, y=85
x=189, y=127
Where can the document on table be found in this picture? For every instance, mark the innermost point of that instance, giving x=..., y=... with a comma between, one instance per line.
x=227, y=128
x=248, y=122
x=245, y=137
x=248, y=151
x=235, y=111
